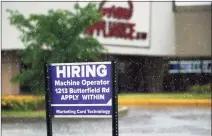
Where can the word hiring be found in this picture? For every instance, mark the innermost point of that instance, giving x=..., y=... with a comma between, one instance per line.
x=81, y=71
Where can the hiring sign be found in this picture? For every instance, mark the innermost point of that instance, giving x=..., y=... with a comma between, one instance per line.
x=81, y=90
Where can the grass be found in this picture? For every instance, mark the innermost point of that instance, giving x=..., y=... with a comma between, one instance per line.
x=164, y=96
x=27, y=114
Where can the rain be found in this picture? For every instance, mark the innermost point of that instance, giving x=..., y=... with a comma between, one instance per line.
x=155, y=68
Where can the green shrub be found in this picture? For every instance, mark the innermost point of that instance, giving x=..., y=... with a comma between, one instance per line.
x=200, y=89
x=24, y=103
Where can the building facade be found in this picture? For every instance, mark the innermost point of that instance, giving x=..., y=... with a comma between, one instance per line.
x=192, y=63
x=153, y=38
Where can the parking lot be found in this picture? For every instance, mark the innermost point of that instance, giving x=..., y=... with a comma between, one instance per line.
x=139, y=121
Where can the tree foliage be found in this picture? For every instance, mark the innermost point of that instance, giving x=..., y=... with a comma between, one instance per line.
x=54, y=37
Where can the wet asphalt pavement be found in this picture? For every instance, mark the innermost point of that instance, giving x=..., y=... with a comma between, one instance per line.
x=138, y=122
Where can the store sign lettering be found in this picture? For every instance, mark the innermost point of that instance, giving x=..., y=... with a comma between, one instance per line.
x=120, y=28
x=190, y=66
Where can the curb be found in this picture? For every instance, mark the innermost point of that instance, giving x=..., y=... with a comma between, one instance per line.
x=163, y=102
x=122, y=112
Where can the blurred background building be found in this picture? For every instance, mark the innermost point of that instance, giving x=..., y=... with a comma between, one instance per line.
x=164, y=46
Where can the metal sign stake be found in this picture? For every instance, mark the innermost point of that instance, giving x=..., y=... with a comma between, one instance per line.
x=48, y=101
x=114, y=101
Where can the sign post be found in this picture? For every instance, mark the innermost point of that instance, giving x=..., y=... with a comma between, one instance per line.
x=81, y=90
x=115, y=101
x=48, y=103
